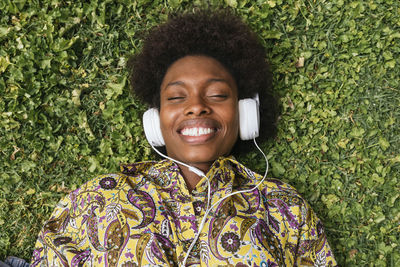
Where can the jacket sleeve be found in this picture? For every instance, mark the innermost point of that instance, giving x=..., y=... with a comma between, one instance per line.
x=313, y=248
x=57, y=238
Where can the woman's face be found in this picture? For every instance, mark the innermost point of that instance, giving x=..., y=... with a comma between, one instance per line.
x=198, y=110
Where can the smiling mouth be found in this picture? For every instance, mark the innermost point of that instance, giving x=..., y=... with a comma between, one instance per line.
x=197, y=131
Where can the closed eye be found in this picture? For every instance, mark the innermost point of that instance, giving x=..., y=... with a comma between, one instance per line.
x=219, y=96
x=175, y=98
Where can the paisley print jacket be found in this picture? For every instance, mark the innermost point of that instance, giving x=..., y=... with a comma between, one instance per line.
x=145, y=216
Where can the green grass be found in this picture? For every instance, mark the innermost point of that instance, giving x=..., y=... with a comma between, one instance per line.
x=66, y=114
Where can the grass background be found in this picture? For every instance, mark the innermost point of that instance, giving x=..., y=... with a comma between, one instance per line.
x=66, y=113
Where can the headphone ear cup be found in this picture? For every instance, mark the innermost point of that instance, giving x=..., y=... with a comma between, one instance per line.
x=249, y=119
x=151, y=125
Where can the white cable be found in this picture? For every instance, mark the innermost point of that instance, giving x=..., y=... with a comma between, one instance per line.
x=191, y=168
x=200, y=173
x=216, y=203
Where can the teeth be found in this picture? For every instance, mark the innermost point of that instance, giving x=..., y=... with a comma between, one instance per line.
x=196, y=131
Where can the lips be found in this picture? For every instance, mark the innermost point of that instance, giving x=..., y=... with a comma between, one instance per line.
x=198, y=130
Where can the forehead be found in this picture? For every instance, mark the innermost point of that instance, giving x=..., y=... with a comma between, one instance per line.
x=197, y=69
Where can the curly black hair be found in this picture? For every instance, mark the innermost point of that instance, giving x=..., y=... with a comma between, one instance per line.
x=217, y=34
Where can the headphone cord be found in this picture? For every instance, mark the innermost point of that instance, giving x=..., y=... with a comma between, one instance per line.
x=200, y=173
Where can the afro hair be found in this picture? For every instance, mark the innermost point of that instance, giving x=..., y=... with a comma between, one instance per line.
x=217, y=34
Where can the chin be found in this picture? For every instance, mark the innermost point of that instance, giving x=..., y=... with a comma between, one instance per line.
x=197, y=157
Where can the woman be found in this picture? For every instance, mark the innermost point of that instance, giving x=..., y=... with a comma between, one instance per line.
x=194, y=69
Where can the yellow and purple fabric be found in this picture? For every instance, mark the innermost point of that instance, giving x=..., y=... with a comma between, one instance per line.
x=146, y=216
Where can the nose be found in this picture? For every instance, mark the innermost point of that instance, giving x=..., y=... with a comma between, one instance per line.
x=197, y=106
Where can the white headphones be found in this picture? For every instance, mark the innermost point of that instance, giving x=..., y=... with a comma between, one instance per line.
x=249, y=122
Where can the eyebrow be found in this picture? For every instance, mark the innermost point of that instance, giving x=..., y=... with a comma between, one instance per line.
x=211, y=80
x=174, y=83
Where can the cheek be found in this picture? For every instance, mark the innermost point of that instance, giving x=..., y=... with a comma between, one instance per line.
x=164, y=119
x=232, y=118
x=167, y=119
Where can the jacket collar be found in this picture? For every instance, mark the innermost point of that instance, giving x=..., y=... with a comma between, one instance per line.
x=224, y=172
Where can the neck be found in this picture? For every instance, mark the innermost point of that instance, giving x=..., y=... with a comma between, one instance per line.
x=191, y=178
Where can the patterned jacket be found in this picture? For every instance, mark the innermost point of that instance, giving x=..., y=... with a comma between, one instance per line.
x=146, y=216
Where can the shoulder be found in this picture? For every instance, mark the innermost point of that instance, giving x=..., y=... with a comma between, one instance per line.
x=271, y=189
x=130, y=174
x=90, y=210
x=280, y=194
x=274, y=187
x=94, y=196
x=102, y=188
x=285, y=203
